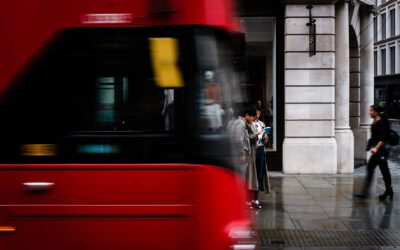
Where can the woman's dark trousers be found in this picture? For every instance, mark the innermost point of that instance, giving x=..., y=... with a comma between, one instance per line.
x=378, y=159
x=260, y=166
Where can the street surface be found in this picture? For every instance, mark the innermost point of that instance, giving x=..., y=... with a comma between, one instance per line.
x=320, y=212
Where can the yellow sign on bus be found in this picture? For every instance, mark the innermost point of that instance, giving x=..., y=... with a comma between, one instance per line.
x=164, y=55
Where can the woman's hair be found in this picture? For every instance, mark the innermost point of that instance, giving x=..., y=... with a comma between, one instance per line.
x=378, y=109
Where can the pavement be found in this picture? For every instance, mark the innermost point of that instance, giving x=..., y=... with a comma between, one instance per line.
x=320, y=212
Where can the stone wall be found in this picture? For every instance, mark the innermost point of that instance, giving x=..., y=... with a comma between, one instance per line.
x=309, y=145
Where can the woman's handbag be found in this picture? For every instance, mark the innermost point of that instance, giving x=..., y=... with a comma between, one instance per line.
x=393, y=139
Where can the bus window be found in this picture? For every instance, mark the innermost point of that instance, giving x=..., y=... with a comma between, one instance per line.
x=215, y=84
x=98, y=82
x=93, y=96
x=123, y=104
x=94, y=84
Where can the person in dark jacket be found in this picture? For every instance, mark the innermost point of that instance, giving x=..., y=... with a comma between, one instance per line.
x=377, y=145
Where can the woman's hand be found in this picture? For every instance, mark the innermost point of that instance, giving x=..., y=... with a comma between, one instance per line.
x=377, y=147
x=242, y=159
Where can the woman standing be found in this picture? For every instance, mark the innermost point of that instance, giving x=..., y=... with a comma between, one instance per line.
x=258, y=139
x=242, y=135
x=377, y=145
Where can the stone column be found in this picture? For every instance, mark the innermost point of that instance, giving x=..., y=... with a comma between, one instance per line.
x=309, y=145
x=354, y=85
x=367, y=82
x=343, y=133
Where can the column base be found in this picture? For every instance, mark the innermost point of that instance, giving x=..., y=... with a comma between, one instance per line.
x=361, y=136
x=345, y=151
x=309, y=156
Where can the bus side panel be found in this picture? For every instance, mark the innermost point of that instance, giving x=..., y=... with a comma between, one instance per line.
x=130, y=206
x=99, y=233
x=119, y=206
x=98, y=186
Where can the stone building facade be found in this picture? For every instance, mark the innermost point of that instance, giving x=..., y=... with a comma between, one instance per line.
x=387, y=56
x=321, y=96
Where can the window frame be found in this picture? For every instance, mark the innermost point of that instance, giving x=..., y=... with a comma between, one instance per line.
x=383, y=26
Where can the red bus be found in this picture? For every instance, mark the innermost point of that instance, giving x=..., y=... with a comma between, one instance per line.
x=112, y=133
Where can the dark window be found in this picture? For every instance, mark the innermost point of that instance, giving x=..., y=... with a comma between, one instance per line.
x=392, y=23
x=383, y=26
x=380, y=96
x=375, y=63
x=383, y=61
x=375, y=30
x=392, y=60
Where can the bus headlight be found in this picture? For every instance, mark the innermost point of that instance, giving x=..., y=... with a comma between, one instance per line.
x=242, y=237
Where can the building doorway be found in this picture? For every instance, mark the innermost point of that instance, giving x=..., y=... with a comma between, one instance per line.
x=261, y=80
x=263, y=23
x=261, y=69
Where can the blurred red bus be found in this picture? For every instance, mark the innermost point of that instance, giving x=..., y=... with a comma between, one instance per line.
x=112, y=126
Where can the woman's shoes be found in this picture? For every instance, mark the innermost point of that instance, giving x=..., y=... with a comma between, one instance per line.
x=255, y=204
x=388, y=192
